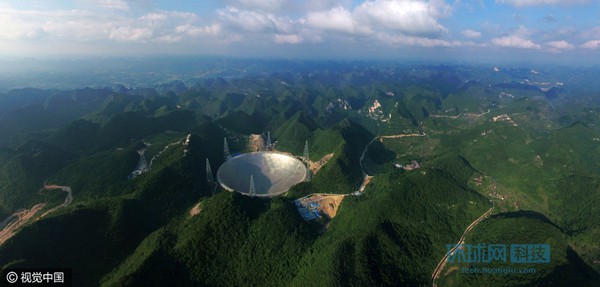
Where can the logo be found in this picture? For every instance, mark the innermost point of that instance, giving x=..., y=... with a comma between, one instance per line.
x=12, y=277
x=530, y=253
x=35, y=276
x=486, y=253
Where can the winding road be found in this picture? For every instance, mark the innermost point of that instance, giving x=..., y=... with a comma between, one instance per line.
x=461, y=241
x=458, y=116
x=68, y=198
x=11, y=225
x=367, y=178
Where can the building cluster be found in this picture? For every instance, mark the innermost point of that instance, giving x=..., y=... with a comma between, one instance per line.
x=412, y=165
x=309, y=210
x=186, y=143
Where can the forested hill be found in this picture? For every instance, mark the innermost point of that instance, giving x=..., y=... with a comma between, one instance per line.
x=415, y=153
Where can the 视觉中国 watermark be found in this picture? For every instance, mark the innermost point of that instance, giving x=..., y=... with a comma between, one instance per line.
x=498, y=253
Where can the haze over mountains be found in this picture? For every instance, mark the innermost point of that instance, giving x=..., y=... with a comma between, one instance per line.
x=149, y=72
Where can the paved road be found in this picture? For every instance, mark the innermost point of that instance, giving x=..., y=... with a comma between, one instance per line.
x=68, y=198
x=17, y=220
x=366, y=176
x=362, y=157
x=442, y=263
x=458, y=116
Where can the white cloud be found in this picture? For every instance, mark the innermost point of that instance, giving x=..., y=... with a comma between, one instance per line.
x=265, y=5
x=336, y=19
x=372, y=25
x=71, y=25
x=523, y=3
x=564, y=31
x=593, y=33
x=112, y=4
x=439, y=8
x=164, y=26
x=86, y=26
x=407, y=16
x=592, y=44
x=25, y=24
x=194, y=31
x=169, y=39
x=321, y=5
x=155, y=16
x=425, y=42
x=130, y=34
x=254, y=21
x=471, y=34
x=412, y=17
x=404, y=40
x=248, y=21
x=515, y=41
x=287, y=38
x=387, y=23
x=557, y=46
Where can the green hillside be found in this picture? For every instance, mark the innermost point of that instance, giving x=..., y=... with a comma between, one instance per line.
x=241, y=237
x=478, y=135
x=393, y=234
x=24, y=171
x=564, y=268
x=292, y=134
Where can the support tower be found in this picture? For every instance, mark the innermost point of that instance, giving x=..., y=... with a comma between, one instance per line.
x=252, y=190
x=307, y=161
x=209, y=175
x=269, y=144
x=226, y=154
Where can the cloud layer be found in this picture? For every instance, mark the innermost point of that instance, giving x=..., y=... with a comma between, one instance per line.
x=243, y=25
x=523, y=3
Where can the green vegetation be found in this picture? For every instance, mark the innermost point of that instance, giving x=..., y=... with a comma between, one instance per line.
x=492, y=136
x=249, y=241
x=24, y=170
x=292, y=134
x=525, y=228
x=393, y=234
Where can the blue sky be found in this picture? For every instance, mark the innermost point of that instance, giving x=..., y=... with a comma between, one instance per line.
x=550, y=30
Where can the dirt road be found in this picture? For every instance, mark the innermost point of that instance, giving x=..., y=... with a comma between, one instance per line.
x=196, y=209
x=316, y=166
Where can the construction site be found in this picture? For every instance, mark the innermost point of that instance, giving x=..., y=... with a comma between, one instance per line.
x=319, y=206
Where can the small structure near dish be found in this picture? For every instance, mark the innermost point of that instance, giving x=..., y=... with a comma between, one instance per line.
x=319, y=206
x=411, y=166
